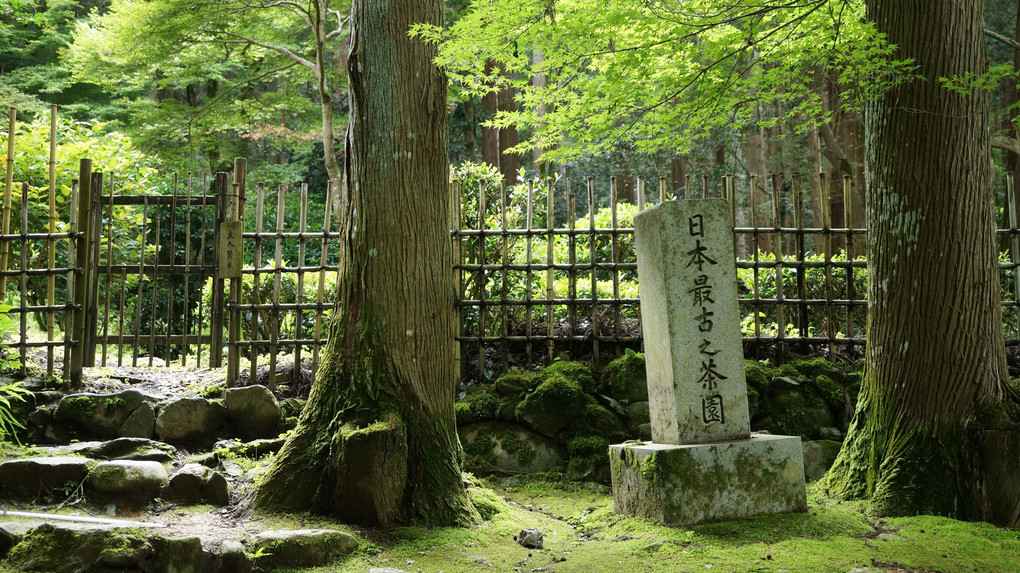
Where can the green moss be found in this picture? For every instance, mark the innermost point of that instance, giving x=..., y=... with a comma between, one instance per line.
x=113, y=403
x=598, y=420
x=752, y=400
x=483, y=448
x=576, y=372
x=587, y=454
x=786, y=370
x=625, y=378
x=515, y=381
x=795, y=413
x=79, y=407
x=476, y=408
x=462, y=410
x=818, y=366
x=832, y=392
x=757, y=374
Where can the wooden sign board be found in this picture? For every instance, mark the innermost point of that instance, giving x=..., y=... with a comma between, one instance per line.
x=230, y=250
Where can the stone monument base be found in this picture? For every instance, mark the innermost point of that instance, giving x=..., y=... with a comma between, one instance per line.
x=685, y=485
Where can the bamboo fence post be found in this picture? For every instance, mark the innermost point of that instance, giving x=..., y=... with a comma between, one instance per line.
x=8, y=189
x=187, y=272
x=23, y=283
x=527, y=280
x=109, y=272
x=216, y=309
x=662, y=189
x=71, y=296
x=593, y=255
x=170, y=276
x=80, y=279
x=92, y=269
x=203, y=259
x=51, y=251
x=155, y=286
x=320, y=293
x=687, y=186
x=777, y=248
x=851, y=291
x=256, y=287
x=755, y=258
x=299, y=314
x=504, y=263
x=1014, y=254
x=141, y=280
x=802, y=294
x=614, y=253
x=458, y=280
x=281, y=198
x=236, y=214
x=571, y=260
x=830, y=330
x=120, y=317
x=482, y=280
x=550, y=276
x=640, y=193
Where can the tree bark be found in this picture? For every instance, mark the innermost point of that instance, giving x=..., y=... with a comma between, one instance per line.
x=377, y=441
x=935, y=371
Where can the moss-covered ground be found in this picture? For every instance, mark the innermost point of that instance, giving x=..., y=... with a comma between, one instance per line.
x=583, y=534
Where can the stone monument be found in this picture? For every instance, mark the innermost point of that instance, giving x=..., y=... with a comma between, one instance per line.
x=703, y=463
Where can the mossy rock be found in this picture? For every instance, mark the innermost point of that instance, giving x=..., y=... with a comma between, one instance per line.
x=832, y=392
x=589, y=459
x=553, y=405
x=625, y=378
x=514, y=382
x=795, y=413
x=752, y=400
x=495, y=446
x=815, y=367
x=72, y=548
x=577, y=372
x=597, y=420
x=757, y=375
x=476, y=407
x=507, y=410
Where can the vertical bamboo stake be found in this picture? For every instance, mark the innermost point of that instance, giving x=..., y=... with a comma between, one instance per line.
x=777, y=248
x=640, y=193
x=155, y=288
x=323, y=261
x=704, y=186
x=70, y=295
x=8, y=188
x=256, y=287
x=593, y=254
x=109, y=272
x=51, y=251
x=170, y=277
x=80, y=279
x=572, y=260
x=203, y=259
x=458, y=275
x=798, y=222
x=236, y=214
x=299, y=314
x=687, y=186
x=483, y=281
x=1014, y=252
x=662, y=189
x=281, y=197
x=24, y=279
x=120, y=319
x=187, y=272
x=755, y=286
x=851, y=291
x=141, y=280
x=830, y=330
x=550, y=260
x=505, y=286
x=527, y=281
x=614, y=197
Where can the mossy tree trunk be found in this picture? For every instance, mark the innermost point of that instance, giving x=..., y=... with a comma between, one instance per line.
x=377, y=440
x=935, y=373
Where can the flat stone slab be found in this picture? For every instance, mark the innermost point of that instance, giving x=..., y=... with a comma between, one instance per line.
x=301, y=547
x=31, y=477
x=690, y=484
x=128, y=483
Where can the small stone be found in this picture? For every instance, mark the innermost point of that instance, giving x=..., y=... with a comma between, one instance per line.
x=830, y=433
x=233, y=558
x=254, y=409
x=888, y=537
x=196, y=483
x=100, y=414
x=638, y=413
x=530, y=538
x=41, y=416
x=216, y=490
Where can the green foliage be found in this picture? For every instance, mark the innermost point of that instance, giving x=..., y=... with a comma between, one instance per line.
x=659, y=75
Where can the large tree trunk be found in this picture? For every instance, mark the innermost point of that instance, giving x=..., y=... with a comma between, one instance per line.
x=935, y=367
x=377, y=441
